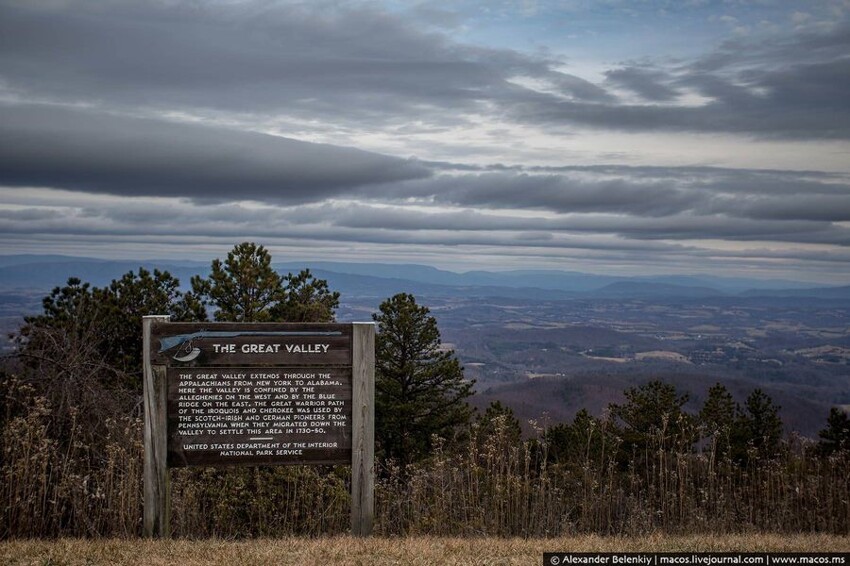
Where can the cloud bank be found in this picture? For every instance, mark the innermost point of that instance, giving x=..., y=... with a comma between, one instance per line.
x=401, y=132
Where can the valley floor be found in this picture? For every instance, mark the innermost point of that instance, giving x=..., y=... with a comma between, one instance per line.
x=409, y=550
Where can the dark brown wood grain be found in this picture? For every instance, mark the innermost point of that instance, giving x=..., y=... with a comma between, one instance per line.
x=157, y=480
x=236, y=394
x=363, y=430
x=273, y=344
x=260, y=415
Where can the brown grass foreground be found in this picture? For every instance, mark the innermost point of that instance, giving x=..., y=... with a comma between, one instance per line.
x=409, y=550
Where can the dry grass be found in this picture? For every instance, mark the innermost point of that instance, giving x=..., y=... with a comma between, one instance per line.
x=63, y=474
x=412, y=550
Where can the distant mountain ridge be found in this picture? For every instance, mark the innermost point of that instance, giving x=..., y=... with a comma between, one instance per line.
x=817, y=292
x=540, y=278
x=647, y=289
x=49, y=274
x=380, y=279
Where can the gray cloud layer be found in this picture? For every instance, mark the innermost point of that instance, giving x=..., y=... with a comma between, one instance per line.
x=365, y=225
x=87, y=151
x=365, y=66
x=86, y=89
x=83, y=151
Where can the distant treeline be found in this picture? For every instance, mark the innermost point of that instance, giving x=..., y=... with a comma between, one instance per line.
x=72, y=454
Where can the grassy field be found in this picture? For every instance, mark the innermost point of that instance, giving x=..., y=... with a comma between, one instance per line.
x=411, y=550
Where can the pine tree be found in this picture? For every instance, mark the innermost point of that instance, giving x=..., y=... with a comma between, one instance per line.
x=132, y=297
x=243, y=288
x=73, y=309
x=500, y=419
x=420, y=390
x=836, y=435
x=759, y=426
x=652, y=417
x=106, y=320
x=246, y=288
x=83, y=354
x=717, y=418
x=581, y=442
x=305, y=299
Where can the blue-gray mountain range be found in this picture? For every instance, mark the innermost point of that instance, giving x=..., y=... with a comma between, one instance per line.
x=380, y=280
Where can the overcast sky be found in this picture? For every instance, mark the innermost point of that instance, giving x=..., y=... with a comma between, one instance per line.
x=605, y=136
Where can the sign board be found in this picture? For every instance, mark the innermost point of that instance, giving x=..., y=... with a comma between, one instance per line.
x=221, y=394
x=259, y=415
x=246, y=394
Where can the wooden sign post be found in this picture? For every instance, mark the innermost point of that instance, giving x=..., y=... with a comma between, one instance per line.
x=157, y=513
x=363, y=430
x=220, y=394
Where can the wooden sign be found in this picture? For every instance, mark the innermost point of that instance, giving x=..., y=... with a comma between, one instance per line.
x=235, y=344
x=260, y=415
x=247, y=394
x=221, y=394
